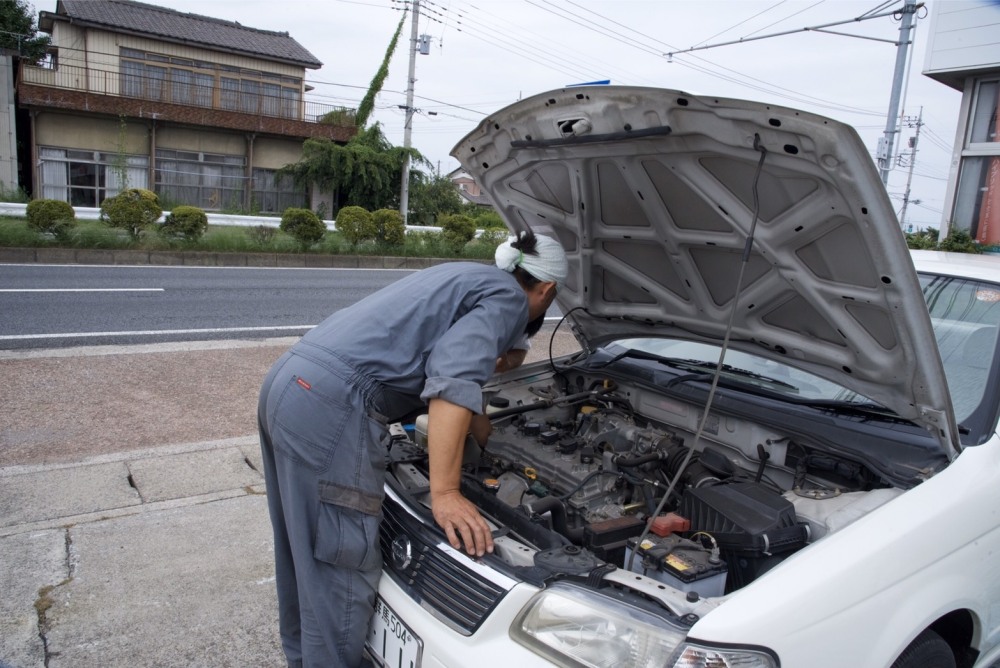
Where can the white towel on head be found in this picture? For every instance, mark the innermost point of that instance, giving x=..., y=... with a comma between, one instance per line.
x=549, y=265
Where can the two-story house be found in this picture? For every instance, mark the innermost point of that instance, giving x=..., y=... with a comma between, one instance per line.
x=202, y=111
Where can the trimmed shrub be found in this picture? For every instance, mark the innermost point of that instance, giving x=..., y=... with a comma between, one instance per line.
x=51, y=216
x=132, y=210
x=389, y=227
x=302, y=224
x=188, y=222
x=457, y=230
x=356, y=225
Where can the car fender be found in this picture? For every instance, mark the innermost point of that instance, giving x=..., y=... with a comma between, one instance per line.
x=859, y=596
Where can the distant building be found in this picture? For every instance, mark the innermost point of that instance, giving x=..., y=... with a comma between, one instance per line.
x=200, y=110
x=963, y=52
x=468, y=188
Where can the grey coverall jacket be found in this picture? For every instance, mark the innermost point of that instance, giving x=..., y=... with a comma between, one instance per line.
x=323, y=412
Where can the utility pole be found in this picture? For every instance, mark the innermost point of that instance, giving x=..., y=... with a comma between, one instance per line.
x=885, y=145
x=909, y=177
x=404, y=190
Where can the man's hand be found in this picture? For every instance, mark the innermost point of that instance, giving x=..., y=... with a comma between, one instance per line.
x=461, y=520
x=447, y=426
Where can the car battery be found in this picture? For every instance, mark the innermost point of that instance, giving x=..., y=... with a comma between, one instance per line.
x=680, y=563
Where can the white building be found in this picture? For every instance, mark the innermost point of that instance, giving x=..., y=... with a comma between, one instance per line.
x=964, y=52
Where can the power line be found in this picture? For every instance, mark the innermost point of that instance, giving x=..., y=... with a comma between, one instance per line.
x=765, y=87
x=784, y=19
x=733, y=27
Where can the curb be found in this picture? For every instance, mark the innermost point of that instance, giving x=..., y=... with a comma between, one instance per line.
x=209, y=259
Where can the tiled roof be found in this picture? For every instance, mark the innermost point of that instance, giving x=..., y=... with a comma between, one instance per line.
x=171, y=25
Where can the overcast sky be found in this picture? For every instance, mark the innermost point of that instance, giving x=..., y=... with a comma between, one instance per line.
x=486, y=54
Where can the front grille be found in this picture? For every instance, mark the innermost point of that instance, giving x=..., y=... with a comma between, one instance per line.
x=455, y=594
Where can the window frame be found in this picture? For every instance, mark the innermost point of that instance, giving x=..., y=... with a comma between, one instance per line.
x=180, y=80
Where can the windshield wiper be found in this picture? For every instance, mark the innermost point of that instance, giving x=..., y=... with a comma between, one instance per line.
x=736, y=371
x=699, y=367
x=866, y=408
x=636, y=354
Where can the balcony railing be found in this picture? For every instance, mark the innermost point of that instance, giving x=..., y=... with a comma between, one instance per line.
x=189, y=91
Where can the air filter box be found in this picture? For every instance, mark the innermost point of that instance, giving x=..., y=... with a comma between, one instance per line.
x=754, y=527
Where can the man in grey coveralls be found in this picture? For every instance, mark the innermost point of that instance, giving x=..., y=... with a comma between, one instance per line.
x=433, y=337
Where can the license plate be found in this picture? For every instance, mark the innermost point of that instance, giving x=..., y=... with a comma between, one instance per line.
x=390, y=641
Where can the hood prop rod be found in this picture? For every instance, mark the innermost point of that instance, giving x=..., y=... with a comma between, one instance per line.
x=747, y=247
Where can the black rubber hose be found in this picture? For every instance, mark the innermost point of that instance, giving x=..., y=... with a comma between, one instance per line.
x=629, y=462
x=554, y=505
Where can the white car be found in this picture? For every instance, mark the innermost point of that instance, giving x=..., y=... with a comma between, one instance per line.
x=779, y=444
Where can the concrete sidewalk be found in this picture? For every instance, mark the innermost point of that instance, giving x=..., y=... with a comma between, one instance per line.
x=133, y=521
x=157, y=557
x=124, y=541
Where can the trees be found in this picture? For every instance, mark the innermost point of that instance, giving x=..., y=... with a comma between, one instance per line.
x=368, y=169
x=368, y=103
x=431, y=197
x=364, y=172
x=19, y=32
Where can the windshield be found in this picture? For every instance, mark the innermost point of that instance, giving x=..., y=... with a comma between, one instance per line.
x=750, y=369
x=965, y=315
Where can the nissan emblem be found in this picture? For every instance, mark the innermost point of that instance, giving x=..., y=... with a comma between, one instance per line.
x=402, y=552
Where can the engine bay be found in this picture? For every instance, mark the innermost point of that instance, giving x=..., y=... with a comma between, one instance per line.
x=618, y=470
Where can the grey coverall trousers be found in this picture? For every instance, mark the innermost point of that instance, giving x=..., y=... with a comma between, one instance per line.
x=323, y=442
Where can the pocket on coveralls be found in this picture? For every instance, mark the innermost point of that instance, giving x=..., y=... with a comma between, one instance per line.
x=308, y=424
x=346, y=537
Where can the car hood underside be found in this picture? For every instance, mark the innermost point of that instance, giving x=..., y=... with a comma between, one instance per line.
x=655, y=193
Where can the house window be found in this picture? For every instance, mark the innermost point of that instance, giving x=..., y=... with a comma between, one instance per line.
x=274, y=194
x=153, y=76
x=977, y=201
x=87, y=178
x=50, y=61
x=210, y=181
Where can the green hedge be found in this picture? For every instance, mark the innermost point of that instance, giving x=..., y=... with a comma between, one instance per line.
x=132, y=210
x=356, y=224
x=186, y=222
x=51, y=216
x=302, y=224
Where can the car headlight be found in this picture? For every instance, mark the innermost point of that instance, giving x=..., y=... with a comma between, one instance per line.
x=699, y=656
x=573, y=627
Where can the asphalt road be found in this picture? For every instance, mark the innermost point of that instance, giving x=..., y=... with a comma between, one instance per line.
x=55, y=306
x=62, y=305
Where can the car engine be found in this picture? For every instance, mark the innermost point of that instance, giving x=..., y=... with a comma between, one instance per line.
x=614, y=471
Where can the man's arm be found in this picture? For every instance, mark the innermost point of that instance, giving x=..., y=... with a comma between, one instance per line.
x=447, y=427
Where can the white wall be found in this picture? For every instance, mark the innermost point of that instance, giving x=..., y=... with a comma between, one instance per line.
x=964, y=37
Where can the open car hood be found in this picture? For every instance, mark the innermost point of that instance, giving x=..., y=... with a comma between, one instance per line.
x=653, y=194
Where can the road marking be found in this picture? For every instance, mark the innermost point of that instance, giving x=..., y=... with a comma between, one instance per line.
x=161, y=332
x=217, y=330
x=84, y=290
